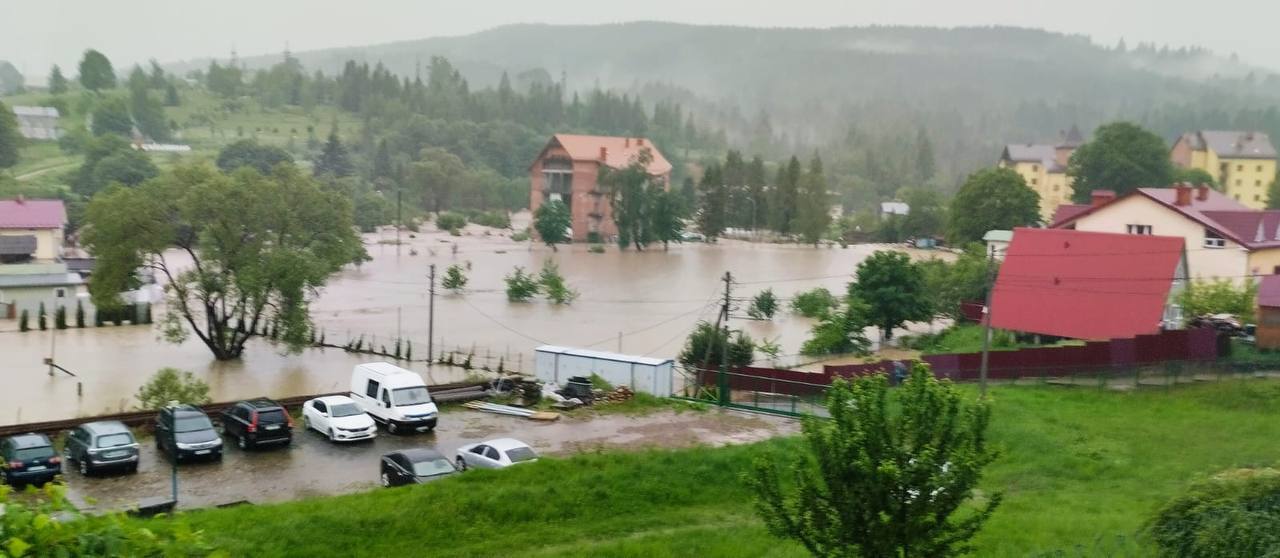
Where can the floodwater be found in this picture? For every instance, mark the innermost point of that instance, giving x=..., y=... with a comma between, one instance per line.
x=653, y=298
x=313, y=466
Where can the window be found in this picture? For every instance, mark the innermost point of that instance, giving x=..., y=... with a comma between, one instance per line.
x=1213, y=239
x=59, y=293
x=371, y=390
x=492, y=453
x=1239, y=167
x=1138, y=229
x=1034, y=182
x=1259, y=168
x=1257, y=183
x=1035, y=168
x=1238, y=181
x=386, y=398
x=479, y=450
x=320, y=406
x=1257, y=197
x=1055, y=187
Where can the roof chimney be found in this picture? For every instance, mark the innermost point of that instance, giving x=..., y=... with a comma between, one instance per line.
x=1099, y=198
x=1202, y=192
x=1182, y=196
x=604, y=153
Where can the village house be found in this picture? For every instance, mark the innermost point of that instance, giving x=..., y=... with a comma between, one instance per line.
x=1224, y=239
x=32, y=268
x=1243, y=163
x=1089, y=285
x=37, y=123
x=1044, y=168
x=568, y=170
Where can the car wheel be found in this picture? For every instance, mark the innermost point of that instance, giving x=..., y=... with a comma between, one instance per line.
x=386, y=481
x=84, y=467
x=391, y=427
x=462, y=464
x=241, y=442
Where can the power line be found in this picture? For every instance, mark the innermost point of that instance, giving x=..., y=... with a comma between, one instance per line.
x=504, y=326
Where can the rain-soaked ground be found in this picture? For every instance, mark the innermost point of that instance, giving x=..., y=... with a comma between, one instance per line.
x=652, y=298
x=313, y=466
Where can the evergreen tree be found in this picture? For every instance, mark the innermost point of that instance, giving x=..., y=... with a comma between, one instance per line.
x=382, y=161
x=813, y=209
x=925, y=164
x=713, y=203
x=111, y=116
x=10, y=138
x=146, y=110
x=157, y=79
x=57, y=81
x=756, y=183
x=79, y=314
x=689, y=195
x=171, y=98
x=333, y=159
x=786, y=197
x=96, y=72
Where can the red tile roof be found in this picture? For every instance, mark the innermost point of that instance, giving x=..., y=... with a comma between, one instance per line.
x=32, y=214
x=1085, y=285
x=619, y=151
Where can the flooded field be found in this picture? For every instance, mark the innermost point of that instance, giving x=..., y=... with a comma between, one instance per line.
x=652, y=298
x=312, y=466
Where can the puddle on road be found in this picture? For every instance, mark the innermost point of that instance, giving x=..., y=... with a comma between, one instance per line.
x=312, y=466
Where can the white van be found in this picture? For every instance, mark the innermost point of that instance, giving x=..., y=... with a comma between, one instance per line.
x=393, y=396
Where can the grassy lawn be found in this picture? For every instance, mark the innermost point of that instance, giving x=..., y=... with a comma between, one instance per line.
x=967, y=338
x=1077, y=466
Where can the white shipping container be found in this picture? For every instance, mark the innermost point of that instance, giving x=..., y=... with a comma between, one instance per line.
x=641, y=374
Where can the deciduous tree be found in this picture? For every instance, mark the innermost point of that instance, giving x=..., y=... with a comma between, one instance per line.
x=258, y=246
x=666, y=217
x=892, y=288
x=552, y=221
x=10, y=138
x=889, y=474
x=96, y=72
x=111, y=116
x=630, y=199
x=250, y=153
x=455, y=278
x=707, y=347
x=991, y=199
x=1121, y=157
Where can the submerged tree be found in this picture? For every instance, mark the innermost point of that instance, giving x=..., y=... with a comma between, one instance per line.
x=259, y=247
x=552, y=221
x=630, y=199
x=887, y=475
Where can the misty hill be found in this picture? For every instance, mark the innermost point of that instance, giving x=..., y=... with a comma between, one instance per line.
x=866, y=89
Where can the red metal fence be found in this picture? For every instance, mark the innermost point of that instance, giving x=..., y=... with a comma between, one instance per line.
x=1095, y=357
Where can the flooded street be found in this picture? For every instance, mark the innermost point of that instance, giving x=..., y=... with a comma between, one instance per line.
x=652, y=298
x=312, y=466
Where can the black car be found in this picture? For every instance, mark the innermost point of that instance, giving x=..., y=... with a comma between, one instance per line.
x=258, y=422
x=101, y=445
x=185, y=431
x=414, y=466
x=29, y=459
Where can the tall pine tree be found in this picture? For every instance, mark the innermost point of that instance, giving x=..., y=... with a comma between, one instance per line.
x=812, y=216
x=926, y=167
x=333, y=159
x=57, y=81
x=10, y=139
x=786, y=192
x=713, y=203
x=756, y=182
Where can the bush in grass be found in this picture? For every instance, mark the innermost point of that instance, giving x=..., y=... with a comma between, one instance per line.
x=170, y=384
x=763, y=305
x=1234, y=514
x=449, y=221
x=814, y=303
x=521, y=286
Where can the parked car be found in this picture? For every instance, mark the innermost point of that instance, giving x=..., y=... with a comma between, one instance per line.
x=339, y=418
x=393, y=396
x=414, y=466
x=257, y=422
x=184, y=431
x=29, y=459
x=495, y=454
x=101, y=445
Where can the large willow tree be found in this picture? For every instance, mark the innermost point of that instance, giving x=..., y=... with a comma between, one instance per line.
x=236, y=252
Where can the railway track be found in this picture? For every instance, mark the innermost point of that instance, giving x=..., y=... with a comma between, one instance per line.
x=458, y=391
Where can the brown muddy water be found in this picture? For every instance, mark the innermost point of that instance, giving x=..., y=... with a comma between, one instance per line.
x=653, y=298
x=313, y=466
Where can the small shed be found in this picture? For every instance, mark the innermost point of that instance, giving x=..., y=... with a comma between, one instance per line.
x=641, y=374
x=1268, y=328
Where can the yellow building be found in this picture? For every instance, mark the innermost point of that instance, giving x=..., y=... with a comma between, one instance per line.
x=1224, y=239
x=1044, y=168
x=1243, y=163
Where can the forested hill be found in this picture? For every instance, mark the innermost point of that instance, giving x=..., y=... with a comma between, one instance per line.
x=860, y=94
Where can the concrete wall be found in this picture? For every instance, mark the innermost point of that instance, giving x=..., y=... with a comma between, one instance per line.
x=1230, y=261
x=16, y=299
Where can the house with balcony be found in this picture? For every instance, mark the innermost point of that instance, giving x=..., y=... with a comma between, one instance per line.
x=1043, y=166
x=1243, y=163
x=568, y=170
x=32, y=267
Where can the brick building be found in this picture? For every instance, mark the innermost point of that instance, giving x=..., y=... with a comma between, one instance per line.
x=568, y=169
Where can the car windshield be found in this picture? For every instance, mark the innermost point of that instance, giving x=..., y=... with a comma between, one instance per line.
x=438, y=466
x=113, y=440
x=271, y=416
x=416, y=395
x=521, y=454
x=33, y=453
x=192, y=424
x=345, y=410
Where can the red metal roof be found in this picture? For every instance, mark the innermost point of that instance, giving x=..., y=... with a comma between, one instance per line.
x=1085, y=285
x=32, y=214
x=1269, y=291
x=1066, y=211
x=619, y=151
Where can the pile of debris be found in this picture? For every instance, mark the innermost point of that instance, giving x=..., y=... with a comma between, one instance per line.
x=618, y=395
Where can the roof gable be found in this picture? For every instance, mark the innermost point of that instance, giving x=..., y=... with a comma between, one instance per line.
x=1085, y=285
x=619, y=151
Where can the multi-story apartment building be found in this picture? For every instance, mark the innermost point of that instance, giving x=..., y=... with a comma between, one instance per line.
x=1243, y=163
x=1044, y=167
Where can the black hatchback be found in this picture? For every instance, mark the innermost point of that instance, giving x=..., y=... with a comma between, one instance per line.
x=258, y=422
x=185, y=431
x=414, y=466
x=29, y=459
x=101, y=445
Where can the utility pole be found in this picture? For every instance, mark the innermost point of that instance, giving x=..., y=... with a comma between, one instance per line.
x=431, y=315
x=722, y=321
x=399, y=219
x=619, y=341
x=986, y=328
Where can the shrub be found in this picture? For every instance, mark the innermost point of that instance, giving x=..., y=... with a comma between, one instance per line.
x=455, y=279
x=763, y=306
x=79, y=314
x=23, y=321
x=448, y=221
x=494, y=219
x=40, y=318
x=814, y=303
x=706, y=346
x=521, y=286
x=596, y=249
x=521, y=236
x=170, y=384
x=60, y=317
x=1233, y=514
x=553, y=284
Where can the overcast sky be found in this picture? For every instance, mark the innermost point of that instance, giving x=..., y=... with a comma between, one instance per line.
x=35, y=35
